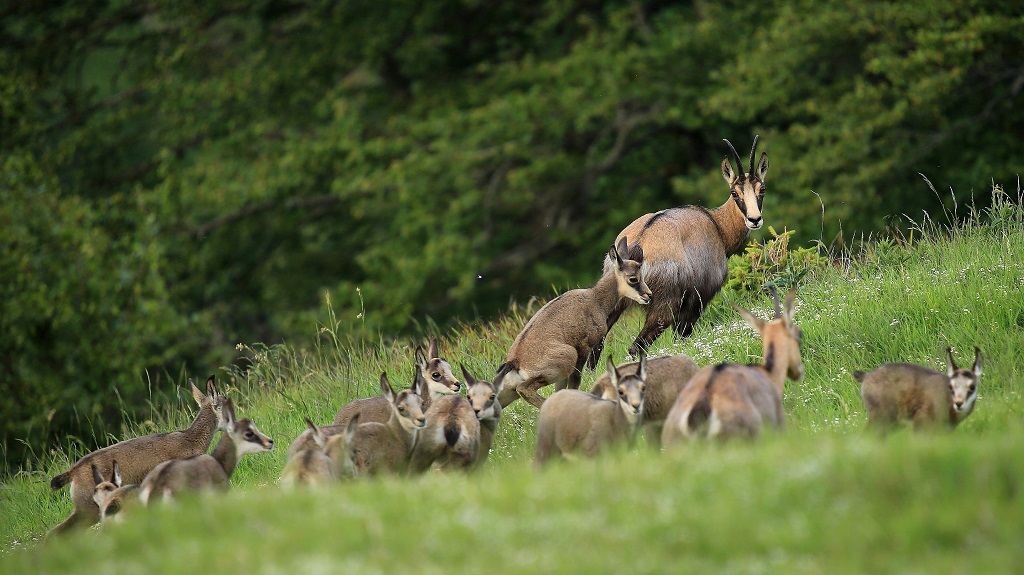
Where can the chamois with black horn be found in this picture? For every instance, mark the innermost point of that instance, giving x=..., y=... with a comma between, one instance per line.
x=686, y=251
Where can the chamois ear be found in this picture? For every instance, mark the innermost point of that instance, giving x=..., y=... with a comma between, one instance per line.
x=470, y=380
x=613, y=374
x=196, y=394
x=751, y=320
x=421, y=359
x=350, y=429
x=211, y=388
x=762, y=167
x=727, y=172
x=619, y=251
x=950, y=364
x=642, y=371
x=432, y=349
x=97, y=477
x=228, y=413
x=419, y=384
x=318, y=437
x=977, y=362
x=385, y=387
x=116, y=475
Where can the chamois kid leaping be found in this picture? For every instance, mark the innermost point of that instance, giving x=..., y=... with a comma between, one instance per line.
x=730, y=400
x=138, y=456
x=686, y=251
x=556, y=343
x=895, y=392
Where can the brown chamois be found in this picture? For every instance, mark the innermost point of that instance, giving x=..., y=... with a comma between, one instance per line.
x=686, y=250
x=112, y=496
x=572, y=421
x=730, y=400
x=386, y=447
x=330, y=460
x=483, y=397
x=895, y=392
x=666, y=377
x=432, y=368
x=239, y=437
x=138, y=456
x=556, y=343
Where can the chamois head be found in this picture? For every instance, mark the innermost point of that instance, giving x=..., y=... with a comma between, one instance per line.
x=629, y=388
x=963, y=383
x=482, y=395
x=748, y=188
x=781, y=336
x=408, y=403
x=628, y=271
x=436, y=371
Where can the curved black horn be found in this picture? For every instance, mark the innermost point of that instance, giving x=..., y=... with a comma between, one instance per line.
x=739, y=160
x=753, y=148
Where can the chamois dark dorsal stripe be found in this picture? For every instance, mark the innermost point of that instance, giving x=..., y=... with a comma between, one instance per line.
x=650, y=222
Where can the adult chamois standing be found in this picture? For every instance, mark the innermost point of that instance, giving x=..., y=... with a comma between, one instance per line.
x=686, y=250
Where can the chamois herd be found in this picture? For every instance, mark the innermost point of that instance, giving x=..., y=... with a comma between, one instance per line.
x=672, y=261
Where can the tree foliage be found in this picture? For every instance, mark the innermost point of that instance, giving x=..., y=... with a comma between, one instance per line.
x=182, y=176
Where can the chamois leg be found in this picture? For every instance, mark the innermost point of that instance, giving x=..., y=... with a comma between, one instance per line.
x=528, y=390
x=508, y=394
x=691, y=307
x=613, y=318
x=576, y=377
x=658, y=320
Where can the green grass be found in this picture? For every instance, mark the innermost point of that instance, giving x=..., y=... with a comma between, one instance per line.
x=821, y=497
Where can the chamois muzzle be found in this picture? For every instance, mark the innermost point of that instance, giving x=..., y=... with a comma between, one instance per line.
x=754, y=223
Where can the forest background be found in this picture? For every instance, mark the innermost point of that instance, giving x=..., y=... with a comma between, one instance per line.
x=179, y=178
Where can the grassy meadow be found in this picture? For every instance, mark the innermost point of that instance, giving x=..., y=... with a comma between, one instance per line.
x=823, y=496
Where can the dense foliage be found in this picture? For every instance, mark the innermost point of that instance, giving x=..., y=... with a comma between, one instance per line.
x=179, y=177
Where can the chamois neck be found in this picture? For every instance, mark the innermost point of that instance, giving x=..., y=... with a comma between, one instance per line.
x=731, y=226
x=203, y=426
x=226, y=453
x=606, y=292
x=400, y=432
x=776, y=365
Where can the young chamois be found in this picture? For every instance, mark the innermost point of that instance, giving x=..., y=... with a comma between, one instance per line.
x=331, y=459
x=666, y=377
x=686, y=251
x=895, y=392
x=432, y=368
x=556, y=343
x=138, y=456
x=112, y=496
x=459, y=430
x=201, y=472
x=730, y=400
x=386, y=447
x=483, y=397
x=572, y=421
x=435, y=371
